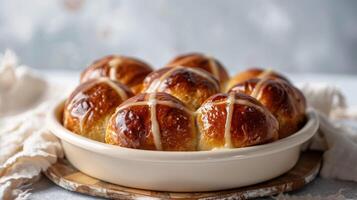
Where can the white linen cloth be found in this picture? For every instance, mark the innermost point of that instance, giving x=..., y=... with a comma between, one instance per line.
x=27, y=148
x=337, y=140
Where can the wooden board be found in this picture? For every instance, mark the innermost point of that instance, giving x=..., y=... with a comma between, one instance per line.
x=65, y=175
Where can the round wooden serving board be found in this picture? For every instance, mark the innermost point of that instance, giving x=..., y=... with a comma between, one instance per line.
x=65, y=175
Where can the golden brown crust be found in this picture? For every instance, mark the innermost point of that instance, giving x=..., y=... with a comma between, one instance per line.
x=132, y=124
x=191, y=86
x=126, y=70
x=250, y=124
x=198, y=60
x=90, y=105
x=253, y=73
x=286, y=102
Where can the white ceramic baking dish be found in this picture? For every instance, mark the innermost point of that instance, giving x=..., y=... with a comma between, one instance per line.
x=182, y=171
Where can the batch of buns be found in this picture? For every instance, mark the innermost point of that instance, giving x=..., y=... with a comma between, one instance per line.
x=191, y=104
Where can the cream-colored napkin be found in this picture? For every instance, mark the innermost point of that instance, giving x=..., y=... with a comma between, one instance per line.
x=337, y=139
x=27, y=148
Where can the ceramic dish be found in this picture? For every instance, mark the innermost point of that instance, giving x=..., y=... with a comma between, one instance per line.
x=181, y=171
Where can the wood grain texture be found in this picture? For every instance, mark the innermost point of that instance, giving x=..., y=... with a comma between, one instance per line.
x=65, y=175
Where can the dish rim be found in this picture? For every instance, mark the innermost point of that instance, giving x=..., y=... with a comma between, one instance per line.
x=301, y=136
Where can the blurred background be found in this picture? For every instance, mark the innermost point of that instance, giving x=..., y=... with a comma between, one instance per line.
x=317, y=36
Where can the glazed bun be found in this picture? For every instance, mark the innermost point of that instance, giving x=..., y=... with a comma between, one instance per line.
x=126, y=70
x=190, y=85
x=207, y=63
x=153, y=121
x=286, y=102
x=253, y=73
x=234, y=120
x=90, y=106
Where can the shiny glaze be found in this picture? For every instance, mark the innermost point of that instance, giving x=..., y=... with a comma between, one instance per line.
x=234, y=120
x=126, y=70
x=191, y=86
x=286, y=102
x=207, y=63
x=254, y=73
x=156, y=84
x=119, y=89
x=91, y=104
x=153, y=121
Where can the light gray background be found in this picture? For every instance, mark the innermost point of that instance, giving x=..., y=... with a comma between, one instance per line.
x=293, y=36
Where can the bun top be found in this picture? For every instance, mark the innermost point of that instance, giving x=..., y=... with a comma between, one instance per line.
x=126, y=70
x=286, y=102
x=91, y=104
x=234, y=120
x=153, y=121
x=254, y=73
x=190, y=85
x=207, y=63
